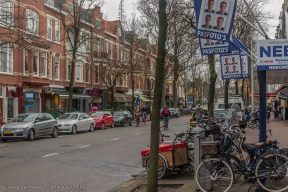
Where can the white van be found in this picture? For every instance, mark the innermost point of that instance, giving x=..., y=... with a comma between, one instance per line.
x=237, y=100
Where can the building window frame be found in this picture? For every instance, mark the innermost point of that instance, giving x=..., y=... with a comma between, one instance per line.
x=96, y=78
x=44, y=64
x=25, y=62
x=57, y=30
x=49, y=28
x=79, y=71
x=57, y=65
x=36, y=63
x=7, y=14
x=32, y=21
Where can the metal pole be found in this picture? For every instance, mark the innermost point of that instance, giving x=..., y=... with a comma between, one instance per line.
x=262, y=98
x=252, y=80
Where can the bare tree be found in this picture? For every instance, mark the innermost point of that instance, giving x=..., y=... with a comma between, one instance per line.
x=74, y=20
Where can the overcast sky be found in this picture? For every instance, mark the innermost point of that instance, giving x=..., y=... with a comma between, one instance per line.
x=111, y=9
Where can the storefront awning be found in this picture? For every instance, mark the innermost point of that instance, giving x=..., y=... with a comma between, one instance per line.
x=145, y=99
x=283, y=94
x=122, y=98
x=65, y=94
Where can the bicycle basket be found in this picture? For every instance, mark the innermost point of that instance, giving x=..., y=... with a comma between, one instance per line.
x=210, y=148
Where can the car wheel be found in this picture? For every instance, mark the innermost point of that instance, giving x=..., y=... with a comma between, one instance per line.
x=112, y=125
x=130, y=122
x=103, y=126
x=91, y=127
x=31, y=135
x=74, y=129
x=176, y=116
x=55, y=132
x=123, y=123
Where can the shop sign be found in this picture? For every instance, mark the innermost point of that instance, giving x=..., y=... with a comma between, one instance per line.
x=272, y=54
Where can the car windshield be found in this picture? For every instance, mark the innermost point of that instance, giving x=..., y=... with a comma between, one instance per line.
x=220, y=113
x=24, y=118
x=118, y=113
x=97, y=114
x=69, y=116
x=172, y=109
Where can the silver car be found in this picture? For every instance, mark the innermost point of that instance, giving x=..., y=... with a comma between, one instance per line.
x=73, y=122
x=28, y=126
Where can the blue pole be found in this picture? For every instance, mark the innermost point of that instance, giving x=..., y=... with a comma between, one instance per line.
x=262, y=99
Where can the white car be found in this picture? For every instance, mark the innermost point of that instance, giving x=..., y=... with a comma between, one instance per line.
x=74, y=122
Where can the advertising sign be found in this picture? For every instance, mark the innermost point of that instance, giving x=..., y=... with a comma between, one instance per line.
x=211, y=47
x=215, y=18
x=272, y=54
x=230, y=65
x=235, y=65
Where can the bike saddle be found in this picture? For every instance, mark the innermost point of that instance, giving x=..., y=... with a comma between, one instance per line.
x=261, y=144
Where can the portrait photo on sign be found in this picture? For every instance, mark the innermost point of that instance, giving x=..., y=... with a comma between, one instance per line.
x=230, y=64
x=244, y=64
x=222, y=8
x=215, y=15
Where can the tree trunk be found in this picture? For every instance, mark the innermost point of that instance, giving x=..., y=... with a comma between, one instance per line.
x=163, y=101
x=226, y=94
x=71, y=83
x=155, y=123
x=236, y=87
x=242, y=89
x=112, y=98
x=213, y=78
x=175, y=72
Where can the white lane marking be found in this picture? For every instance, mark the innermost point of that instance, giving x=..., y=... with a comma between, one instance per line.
x=2, y=145
x=115, y=139
x=137, y=134
x=50, y=154
x=85, y=146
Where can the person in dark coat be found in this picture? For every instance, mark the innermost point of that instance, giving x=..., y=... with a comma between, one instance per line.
x=268, y=110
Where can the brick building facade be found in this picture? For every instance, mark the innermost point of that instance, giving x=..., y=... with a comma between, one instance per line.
x=36, y=59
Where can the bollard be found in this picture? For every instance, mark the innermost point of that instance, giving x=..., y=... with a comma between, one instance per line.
x=198, y=152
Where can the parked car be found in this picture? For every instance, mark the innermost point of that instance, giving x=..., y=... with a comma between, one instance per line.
x=28, y=126
x=175, y=112
x=74, y=122
x=122, y=118
x=102, y=119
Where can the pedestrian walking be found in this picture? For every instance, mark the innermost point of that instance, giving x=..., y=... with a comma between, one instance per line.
x=268, y=110
x=198, y=114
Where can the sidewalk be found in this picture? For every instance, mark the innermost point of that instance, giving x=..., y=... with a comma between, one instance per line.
x=184, y=182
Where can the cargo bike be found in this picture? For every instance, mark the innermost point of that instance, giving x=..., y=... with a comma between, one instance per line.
x=173, y=156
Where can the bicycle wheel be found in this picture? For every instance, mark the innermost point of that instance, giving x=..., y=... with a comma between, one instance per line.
x=213, y=174
x=162, y=166
x=271, y=172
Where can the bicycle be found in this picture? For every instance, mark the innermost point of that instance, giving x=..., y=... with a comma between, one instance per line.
x=217, y=172
x=137, y=120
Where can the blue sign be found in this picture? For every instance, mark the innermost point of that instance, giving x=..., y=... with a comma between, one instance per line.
x=190, y=100
x=234, y=65
x=272, y=54
x=211, y=47
x=214, y=18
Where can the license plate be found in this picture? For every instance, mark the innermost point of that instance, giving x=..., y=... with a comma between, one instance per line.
x=59, y=129
x=8, y=132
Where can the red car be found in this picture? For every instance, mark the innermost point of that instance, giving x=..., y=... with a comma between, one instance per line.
x=102, y=119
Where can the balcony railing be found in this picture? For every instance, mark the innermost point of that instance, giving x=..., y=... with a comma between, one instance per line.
x=100, y=55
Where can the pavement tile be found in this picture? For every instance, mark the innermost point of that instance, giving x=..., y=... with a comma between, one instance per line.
x=279, y=131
